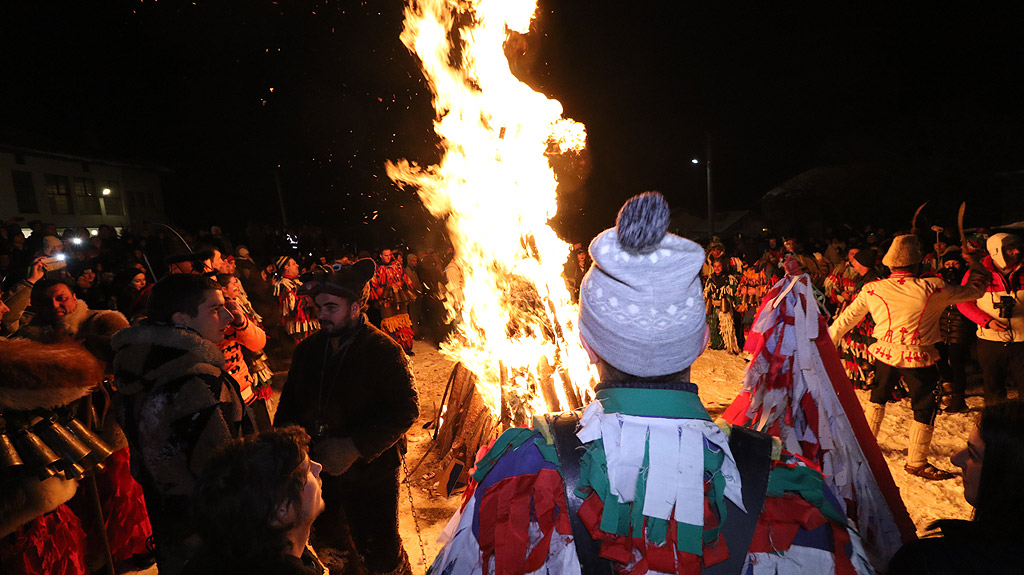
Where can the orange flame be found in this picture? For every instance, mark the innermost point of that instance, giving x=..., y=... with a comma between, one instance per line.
x=496, y=190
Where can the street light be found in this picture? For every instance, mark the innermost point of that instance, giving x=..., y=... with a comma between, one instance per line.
x=106, y=191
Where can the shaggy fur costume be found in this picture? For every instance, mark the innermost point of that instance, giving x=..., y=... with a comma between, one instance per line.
x=37, y=376
x=33, y=375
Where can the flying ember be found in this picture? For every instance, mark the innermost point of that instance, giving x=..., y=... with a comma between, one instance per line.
x=496, y=191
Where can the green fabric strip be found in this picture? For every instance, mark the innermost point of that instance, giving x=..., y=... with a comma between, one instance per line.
x=510, y=438
x=716, y=491
x=672, y=403
x=688, y=539
x=627, y=519
x=808, y=483
x=547, y=451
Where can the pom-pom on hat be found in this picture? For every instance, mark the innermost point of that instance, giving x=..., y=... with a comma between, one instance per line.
x=903, y=252
x=641, y=303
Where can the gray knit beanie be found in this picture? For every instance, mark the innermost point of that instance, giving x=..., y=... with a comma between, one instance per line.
x=641, y=303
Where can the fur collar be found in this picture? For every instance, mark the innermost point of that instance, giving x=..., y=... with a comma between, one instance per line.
x=161, y=353
x=72, y=322
x=37, y=375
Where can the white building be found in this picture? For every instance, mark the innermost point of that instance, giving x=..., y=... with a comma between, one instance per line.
x=71, y=191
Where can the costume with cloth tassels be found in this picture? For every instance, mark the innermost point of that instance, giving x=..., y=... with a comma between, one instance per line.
x=754, y=283
x=722, y=297
x=841, y=288
x=391, y=290
x=795, y=389
x=296, y=310
x=659, y=509
x=45, y=451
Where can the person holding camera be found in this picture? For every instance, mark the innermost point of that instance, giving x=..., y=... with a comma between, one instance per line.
x=351, y=388
x=999, y=313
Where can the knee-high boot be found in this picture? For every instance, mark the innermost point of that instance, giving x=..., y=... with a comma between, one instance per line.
x=917, y=453
x=875, y=414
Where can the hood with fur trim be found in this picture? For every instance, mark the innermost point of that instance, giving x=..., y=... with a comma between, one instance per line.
x=37, y=375
x=153, y=354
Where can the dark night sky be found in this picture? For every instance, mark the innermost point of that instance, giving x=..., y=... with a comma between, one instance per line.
x=225, y=91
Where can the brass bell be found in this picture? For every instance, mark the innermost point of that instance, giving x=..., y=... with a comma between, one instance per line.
x=8, y=454
x=98, y=449
x=73, y=471
x=45, y=462
x=71, y=450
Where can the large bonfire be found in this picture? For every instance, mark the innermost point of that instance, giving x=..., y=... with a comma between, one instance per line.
x=496, y=191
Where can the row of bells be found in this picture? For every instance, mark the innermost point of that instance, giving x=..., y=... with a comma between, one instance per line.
x=50, y=447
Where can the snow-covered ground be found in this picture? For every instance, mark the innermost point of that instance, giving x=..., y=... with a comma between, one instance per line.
x=424, y=512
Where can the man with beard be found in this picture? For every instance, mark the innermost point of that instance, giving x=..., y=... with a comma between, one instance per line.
x=351, y=389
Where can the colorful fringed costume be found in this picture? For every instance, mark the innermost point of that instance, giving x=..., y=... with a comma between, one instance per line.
x=722, y=297
x=297, y=311
x=841, y=288
x=391, y=290
x=754, y=283
x=794, y=389
x=654, y=479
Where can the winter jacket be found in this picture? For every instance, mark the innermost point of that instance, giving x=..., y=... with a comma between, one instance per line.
x=953, y=326
x=364, y=390
x=983, y=310
x=176, y=406
x=906, y=311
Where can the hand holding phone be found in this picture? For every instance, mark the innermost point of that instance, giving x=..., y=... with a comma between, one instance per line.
x=57, y=262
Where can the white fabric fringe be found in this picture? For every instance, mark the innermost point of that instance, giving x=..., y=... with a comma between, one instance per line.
x=845, y=468
x=675, y=480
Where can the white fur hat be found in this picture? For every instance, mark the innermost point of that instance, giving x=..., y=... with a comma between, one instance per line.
x=903, y=252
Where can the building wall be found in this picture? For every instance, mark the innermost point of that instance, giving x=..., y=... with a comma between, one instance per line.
x=70, y=192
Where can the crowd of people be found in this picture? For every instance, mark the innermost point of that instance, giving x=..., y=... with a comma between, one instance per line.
x=737, y=277
x=189, y=331
x=183, y=336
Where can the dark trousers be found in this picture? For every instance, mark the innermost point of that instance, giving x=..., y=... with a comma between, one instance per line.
x=364, y=503
x=921, y=381
x=953, y=365
x=1002, y=366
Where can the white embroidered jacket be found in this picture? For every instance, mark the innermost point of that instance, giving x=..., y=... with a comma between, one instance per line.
x=906, y=311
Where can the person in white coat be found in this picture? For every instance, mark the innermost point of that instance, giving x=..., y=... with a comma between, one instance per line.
x=906, y=311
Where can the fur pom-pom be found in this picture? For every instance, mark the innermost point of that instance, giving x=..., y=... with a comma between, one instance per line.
x=642, y=222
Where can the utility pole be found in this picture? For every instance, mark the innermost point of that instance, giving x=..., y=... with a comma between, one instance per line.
x=711, y=195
